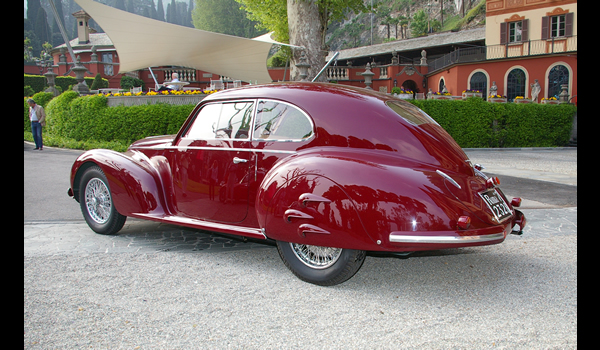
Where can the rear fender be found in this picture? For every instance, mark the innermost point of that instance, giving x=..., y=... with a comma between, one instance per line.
x=133, y=179
x=349, y=201
x=312, y=209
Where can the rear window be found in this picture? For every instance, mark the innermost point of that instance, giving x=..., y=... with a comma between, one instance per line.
x=410, y=113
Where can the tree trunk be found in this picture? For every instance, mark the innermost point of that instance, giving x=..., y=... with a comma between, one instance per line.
x=306, y=30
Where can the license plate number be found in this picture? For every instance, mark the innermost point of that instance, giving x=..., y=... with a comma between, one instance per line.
x=497, y=205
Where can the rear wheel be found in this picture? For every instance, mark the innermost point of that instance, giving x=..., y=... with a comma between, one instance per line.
x=323, y=266
x=96, y=203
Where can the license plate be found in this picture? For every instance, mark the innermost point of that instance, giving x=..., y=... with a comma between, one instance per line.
x=497, y=205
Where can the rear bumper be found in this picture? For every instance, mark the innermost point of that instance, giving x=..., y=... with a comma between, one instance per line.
x=443, y=238
x=430, y=240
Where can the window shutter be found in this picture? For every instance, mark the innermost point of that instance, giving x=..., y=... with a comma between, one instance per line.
x=545, y=28
x=569, y=24
x=503, y=32
x=525, y=30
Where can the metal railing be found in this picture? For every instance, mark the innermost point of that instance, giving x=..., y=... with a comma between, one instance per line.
x=522, y=49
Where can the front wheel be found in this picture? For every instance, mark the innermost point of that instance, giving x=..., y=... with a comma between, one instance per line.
x=323, y=266
x=96, y=203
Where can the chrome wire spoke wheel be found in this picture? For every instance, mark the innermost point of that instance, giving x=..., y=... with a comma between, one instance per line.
x=97, y=200
x=316, y=257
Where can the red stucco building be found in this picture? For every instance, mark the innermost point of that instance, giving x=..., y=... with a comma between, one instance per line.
x=522, y=41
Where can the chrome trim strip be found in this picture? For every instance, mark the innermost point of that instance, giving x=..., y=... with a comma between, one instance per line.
x=217, y=149
x=257, y=232
x=399, y=238
x=447, y=177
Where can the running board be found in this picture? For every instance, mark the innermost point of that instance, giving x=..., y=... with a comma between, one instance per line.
x=205, y=225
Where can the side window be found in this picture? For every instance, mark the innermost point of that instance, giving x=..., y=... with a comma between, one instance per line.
x=281, y=121
x=235, y=120
x=205, y=124
x=222, y=121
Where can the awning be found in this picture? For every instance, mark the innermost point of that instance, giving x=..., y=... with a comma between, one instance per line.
x=144, y=42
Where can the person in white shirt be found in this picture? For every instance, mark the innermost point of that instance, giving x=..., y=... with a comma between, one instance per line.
x=37, y=116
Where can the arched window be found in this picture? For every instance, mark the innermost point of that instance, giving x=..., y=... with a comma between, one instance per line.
x=479, y=82
x=515, y=84
x=558, y=75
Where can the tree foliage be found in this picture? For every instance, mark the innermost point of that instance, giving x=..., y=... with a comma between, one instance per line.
x=269, y=15
x=224, y=16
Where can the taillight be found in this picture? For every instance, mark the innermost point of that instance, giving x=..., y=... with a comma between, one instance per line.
x=492, y=181
x=464, y=222
x=516, y=202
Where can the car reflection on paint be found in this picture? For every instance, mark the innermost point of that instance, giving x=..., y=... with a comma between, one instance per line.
x=328, y=172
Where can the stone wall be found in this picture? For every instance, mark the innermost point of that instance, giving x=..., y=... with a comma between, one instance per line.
x=143, y=100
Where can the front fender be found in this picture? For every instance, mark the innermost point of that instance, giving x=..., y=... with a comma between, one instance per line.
x=134, y=183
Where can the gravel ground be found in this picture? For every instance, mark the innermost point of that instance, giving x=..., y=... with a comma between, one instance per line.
x=521, y=294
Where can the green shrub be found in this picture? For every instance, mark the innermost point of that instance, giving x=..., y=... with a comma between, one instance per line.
x=39, y=83
x=28, y=91
x=99, y=83
x=88, y=118
x=475, y=123
x=130, y=82
x=36, y=82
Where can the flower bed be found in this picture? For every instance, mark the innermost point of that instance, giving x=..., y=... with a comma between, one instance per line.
x=521, y=99
x=445, y=96
x=174, y=97
x=471, y=93
x=550, y=101
x=497, y=99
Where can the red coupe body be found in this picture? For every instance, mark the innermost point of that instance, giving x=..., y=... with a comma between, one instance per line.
x=314, y=164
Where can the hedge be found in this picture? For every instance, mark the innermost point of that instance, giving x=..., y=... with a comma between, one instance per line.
x=88, y=117
x=38, y=83
x=476, y=123
x=473, y=123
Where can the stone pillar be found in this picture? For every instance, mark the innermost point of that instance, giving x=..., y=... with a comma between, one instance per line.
x=303, y=66
x=368, y=76
x=50, y=75
x=563, y=97
x=81, y=86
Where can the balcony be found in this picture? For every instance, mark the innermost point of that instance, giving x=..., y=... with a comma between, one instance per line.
x=511, y=50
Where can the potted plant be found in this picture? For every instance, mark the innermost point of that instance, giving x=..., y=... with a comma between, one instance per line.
x=471, y=93
x=521, y=99
x=550, y=101
x=497, y=99
x=401, y=93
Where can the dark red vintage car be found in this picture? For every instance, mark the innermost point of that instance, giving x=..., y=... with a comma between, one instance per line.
x=326, y=171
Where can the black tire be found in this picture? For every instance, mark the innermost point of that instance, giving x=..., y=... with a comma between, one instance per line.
x=96, y=203
x=321, y=265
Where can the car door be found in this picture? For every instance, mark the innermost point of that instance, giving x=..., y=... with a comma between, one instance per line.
x=211, y=163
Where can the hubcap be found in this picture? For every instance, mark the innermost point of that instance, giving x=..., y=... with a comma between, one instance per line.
x=97, y=200
x=316, y=257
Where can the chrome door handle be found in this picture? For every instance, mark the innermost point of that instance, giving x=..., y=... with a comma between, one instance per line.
x=237, y=160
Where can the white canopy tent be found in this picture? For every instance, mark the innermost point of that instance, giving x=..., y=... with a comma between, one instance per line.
x=144, y=42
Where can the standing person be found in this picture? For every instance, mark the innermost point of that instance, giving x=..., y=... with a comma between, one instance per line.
x=37, y=116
